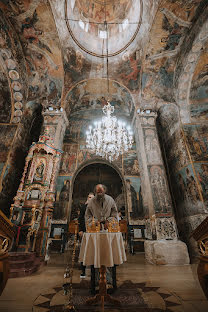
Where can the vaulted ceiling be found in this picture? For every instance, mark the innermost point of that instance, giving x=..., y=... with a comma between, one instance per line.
x=57, y=50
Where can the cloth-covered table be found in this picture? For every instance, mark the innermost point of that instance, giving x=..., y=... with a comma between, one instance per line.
x=102, y=248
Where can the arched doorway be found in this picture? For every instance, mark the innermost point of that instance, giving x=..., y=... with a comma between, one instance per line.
x=91, y=175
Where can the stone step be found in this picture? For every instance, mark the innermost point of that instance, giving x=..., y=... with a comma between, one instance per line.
x=24, y=264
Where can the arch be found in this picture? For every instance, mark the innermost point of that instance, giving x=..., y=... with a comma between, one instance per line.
x=64, y=105
x=187, y=62
x=86, y=164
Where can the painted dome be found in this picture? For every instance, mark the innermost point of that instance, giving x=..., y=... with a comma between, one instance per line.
x=100, y=25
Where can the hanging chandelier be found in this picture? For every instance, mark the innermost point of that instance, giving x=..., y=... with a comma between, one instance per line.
x=109, y=137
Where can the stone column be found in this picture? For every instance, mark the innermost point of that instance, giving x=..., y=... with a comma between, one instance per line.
x=163, y=246
x=184, y=170
x=55, y=123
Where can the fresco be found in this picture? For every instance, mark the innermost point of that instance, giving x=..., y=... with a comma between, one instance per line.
x=129, y=71
x=69, y=159
x=13, y=72
x=90, y=33
x=76, y=66
x=93, y=95
x=172, y=20
x=40, y=45
x=188, y=197
x=62, y=197
x=202, y=175
x=95, y=10
x=177, y=157
x=134, y=198
x=6, y=138
x=162, y=202
x=199, y=89
x=130, y=163
x=157, y=79
x=5, y=99
x=197, y=138
x=152, y=146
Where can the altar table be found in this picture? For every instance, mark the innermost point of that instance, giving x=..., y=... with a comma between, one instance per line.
x=102, y=250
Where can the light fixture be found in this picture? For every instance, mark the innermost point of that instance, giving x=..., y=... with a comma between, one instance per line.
x=109, y=137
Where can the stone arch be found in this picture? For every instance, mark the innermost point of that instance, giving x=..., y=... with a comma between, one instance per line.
x=104, y=81
x=187, y=62
x=88, y=163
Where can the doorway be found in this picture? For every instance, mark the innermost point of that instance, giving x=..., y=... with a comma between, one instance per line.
x=89, y=177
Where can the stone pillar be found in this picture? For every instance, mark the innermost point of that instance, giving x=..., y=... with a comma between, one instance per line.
x=161, y=229
x=55, y=123
x=178, y=142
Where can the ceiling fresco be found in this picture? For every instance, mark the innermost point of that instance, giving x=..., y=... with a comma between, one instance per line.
x=93, y=94
x=85, y=21
x=199, y=88
x=85, y=101
x=55, y=63
x=34, y=25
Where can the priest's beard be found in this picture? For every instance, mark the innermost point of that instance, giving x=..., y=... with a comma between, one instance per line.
x=99, y=197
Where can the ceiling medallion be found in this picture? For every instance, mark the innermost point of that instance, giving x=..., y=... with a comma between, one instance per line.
x=109, y=137
x=86, y=24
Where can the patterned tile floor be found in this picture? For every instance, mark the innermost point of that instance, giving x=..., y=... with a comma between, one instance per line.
x=163, y=288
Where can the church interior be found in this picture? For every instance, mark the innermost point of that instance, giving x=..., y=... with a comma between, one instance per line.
x=66, y=66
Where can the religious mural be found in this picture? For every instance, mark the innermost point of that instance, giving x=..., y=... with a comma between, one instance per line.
x=129, y=71
x=197, y=139
x=152, y=146
x=41, y=60
x=93, y=94
x=76, y=66
x=189, y=200
x=161, y=198
x=136, y=209
x=199, y=89
x=130, y=163
x=5, y=99
x=62, y=201
x=177, y=157
x=157, y=79
x=167, y=35
x=202, y=175
x=7, y=136
x=69, y=159
x=85, y=23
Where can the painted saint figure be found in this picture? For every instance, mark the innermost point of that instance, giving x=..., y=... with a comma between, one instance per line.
x=38, y=176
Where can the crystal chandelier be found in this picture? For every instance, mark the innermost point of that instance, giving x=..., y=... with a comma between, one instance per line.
x=109, y=137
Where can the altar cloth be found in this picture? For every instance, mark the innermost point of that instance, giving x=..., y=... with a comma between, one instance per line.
x=102, y=248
